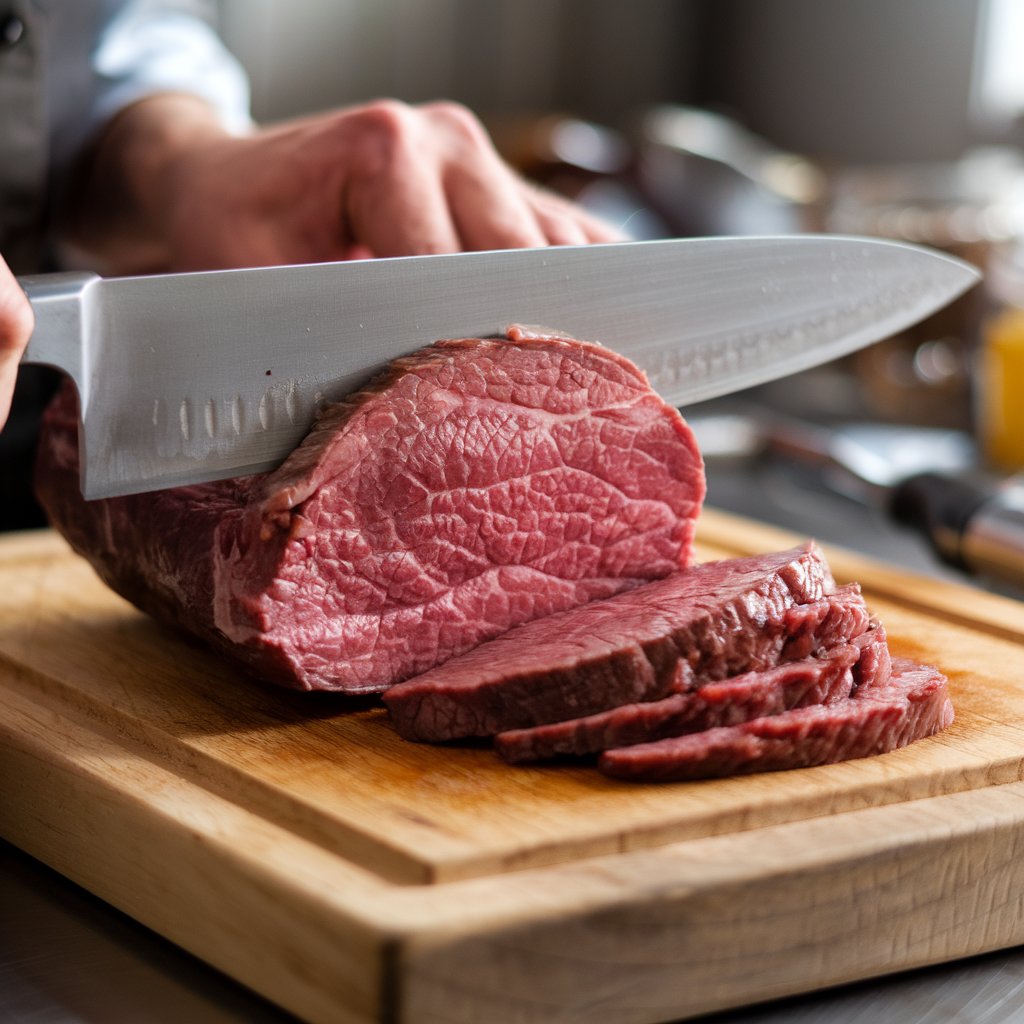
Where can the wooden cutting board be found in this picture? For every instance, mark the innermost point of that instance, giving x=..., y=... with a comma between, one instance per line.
x=296, y=843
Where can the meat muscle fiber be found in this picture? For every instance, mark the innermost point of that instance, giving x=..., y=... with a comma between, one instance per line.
x=476, y=485
x=719, y=618
x=913, y=704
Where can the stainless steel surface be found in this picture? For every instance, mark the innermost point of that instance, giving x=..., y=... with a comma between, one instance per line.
x=859, y=459
x=872, y=457
x=61, y=304
x=194, y=377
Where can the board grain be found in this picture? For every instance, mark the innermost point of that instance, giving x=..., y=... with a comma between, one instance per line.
x=297, y=843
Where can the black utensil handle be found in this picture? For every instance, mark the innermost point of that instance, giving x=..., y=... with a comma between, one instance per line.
x=971, y=524
x=940, y=507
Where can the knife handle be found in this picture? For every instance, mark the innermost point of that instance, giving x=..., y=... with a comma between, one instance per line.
x=993, y=542
x=61, y=306
x=976, y=525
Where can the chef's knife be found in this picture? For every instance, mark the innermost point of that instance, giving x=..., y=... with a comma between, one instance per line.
x=185, y=378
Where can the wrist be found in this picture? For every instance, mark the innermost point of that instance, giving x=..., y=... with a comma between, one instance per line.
x=120, y=213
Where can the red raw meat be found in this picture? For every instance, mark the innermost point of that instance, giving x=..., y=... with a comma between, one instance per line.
x=816, y=680
x=719, y=618
x=476, y=485
x=912, y=705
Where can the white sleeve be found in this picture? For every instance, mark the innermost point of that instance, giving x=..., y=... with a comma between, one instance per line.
x=154, y=46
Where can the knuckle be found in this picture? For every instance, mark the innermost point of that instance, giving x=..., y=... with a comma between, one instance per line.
x=381, y=137
x=390, y=119
x=460, y=120
x=516, y=233
x=563, y=231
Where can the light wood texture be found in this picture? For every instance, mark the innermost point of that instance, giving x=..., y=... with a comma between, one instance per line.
x=303, y=848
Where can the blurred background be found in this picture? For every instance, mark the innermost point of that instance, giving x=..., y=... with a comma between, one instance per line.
x=898, y=118
x=858, y=80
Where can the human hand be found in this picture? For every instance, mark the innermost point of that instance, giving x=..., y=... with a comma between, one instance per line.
x=16, y=322
x=384, y=179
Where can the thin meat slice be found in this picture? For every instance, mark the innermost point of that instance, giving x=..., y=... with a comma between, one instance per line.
x=476, y=485
x=718, y=618
x=823, y=679
x=751, y=695
x=913, y=704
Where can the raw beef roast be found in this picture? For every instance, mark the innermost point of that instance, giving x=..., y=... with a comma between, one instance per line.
x=914, y=703
x=718, y=619
x=474, y=486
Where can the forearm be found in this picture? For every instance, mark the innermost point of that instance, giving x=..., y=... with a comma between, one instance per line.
x=119, y=212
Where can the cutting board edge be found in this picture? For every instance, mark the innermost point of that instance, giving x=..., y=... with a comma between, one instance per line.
x=96, y=811
x=393, y=863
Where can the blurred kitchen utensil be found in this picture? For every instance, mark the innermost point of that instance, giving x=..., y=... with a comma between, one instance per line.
x=706, y=174
x=925, y=478
x=591, y=163
x=975, y=522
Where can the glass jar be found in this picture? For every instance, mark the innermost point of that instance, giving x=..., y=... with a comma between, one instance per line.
x=999, y=379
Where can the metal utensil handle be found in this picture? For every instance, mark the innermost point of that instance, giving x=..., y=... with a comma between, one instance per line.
x=974, y=524
x=993, y=541
x=58, y=302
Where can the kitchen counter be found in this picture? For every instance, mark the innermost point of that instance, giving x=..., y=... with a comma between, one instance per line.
x=66, y=956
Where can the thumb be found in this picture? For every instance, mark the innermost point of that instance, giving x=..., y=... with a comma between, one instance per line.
x=16, y=323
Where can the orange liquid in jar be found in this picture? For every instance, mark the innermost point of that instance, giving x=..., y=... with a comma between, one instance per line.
x=1001, y=383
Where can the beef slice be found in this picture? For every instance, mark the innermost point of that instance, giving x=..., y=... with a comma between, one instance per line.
x=913, y=704
x=716, y=619
x=820, y=679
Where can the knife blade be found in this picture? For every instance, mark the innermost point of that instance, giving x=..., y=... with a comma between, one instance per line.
x=186, y=378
